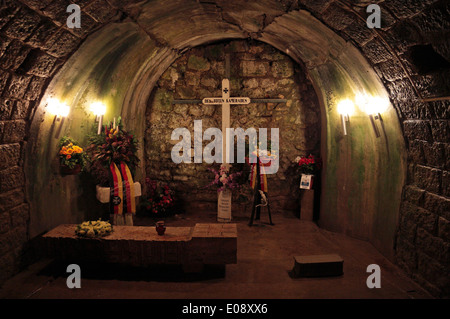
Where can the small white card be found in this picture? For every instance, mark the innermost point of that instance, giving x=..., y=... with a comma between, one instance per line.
x=306, y=181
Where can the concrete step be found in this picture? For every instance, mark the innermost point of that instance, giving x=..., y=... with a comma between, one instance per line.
x=317, y=266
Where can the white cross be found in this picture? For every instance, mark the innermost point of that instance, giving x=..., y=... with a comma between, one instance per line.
x=225, y=101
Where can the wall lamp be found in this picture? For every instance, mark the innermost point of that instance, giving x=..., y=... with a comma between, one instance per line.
x=58, y=109
x=345, y=109
x=372, y=106
x=99, y=109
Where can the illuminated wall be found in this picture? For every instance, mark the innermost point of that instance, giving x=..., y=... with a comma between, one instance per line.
x=363, y=175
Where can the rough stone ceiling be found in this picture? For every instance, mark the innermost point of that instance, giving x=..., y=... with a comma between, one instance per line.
x=35, y=43
x=255, y=20
x=404, y=23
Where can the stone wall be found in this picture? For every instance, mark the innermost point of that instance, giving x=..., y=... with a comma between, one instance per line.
x=257, y=71
x=411, y=54
x=34, y=43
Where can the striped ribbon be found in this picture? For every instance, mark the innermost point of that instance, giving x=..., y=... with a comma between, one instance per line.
x=116, y=200
x=128, y=186
x=262, y=176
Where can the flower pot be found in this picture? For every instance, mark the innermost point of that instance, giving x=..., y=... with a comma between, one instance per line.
x=307, y=204
x=65, y=170
x=160, y=228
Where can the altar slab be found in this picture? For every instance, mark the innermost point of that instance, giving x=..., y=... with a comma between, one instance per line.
x=203, y=244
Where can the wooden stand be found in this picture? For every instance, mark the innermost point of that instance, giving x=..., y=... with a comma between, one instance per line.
x=257, y=199
x=307, y=204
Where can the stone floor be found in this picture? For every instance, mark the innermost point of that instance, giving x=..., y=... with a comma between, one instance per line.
x=265, y=257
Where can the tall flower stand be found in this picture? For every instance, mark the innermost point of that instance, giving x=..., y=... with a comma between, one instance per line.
x=307, y=204
x=306, y=197
x=257, y=197
x=224, y=206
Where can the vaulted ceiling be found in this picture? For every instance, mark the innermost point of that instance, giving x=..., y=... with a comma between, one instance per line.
x=407, y=58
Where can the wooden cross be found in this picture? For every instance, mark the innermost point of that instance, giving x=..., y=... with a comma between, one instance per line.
x=226, y=101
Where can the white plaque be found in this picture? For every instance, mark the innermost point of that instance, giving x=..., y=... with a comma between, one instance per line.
x=306, y=181
x=224, y=206
x=229, y=100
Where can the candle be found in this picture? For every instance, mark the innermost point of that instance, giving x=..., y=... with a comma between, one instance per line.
x=100, y=122
x=344, y=126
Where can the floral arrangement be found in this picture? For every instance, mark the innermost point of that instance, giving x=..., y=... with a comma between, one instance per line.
x=224, y=179
x=309, y=165
x=70, y=154
x=158, y=199
x=91, y=229
x=113, y=144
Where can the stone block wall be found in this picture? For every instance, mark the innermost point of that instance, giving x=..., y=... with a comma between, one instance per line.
x=34, y=44
x=257, y=71
x=411, y=54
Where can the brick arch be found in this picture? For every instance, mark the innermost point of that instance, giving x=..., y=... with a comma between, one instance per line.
x=35, y=43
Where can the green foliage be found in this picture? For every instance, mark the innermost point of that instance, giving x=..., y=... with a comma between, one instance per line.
x=112, y=145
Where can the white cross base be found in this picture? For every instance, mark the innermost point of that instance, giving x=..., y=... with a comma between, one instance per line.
x=224, y=200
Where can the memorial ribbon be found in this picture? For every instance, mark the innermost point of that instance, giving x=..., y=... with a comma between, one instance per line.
x=116, y=201
x=128, y=186
x=262, y=176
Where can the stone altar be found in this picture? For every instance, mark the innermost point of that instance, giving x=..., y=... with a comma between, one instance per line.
x=192, y=247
